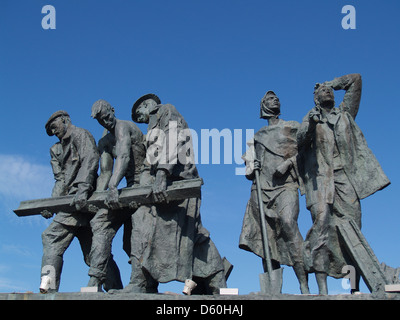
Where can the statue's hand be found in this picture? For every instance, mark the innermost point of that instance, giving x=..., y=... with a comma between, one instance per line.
x=133, y=205
x=79, y=201
x=328, y=84
x=46, y=214
x=112, y=200
x=92, y=208
x=257, y=164
x=160, y=187
x=315, y=117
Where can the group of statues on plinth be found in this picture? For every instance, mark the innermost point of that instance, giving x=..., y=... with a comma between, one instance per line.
x=326, y=157
x=164, y=240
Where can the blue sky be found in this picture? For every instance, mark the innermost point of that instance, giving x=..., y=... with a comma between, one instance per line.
x=213, y=60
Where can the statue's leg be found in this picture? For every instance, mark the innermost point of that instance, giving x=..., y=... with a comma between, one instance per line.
x=318, y=238
x=140, y=281
x=56, y=239
x=215, y=282
x=347, y=205
x=103, y=268
x=321, y=278
x=288, y=215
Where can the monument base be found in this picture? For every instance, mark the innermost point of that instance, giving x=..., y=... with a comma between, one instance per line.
x=194, y=298
x=91, y=289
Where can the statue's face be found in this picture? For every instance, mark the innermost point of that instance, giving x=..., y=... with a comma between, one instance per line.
x=106, y=118
x=272, y=103
x=59, y=127
x=143, y=111
x=324, y=95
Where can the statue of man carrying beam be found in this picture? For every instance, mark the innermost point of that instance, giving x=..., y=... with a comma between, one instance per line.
x=169, y=241
x=75, y=161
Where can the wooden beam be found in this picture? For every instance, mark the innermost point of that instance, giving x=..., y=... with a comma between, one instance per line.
x=177, y=190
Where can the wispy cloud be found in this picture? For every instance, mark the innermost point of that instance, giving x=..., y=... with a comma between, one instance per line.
x=11, y=285
x=3, y=268
x=10, y=281
x=16, y=249
x=22, y=179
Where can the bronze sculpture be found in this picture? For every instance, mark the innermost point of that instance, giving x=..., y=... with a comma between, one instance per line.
x=275, y=157
x=124, y=143
x=75, y=162
x=338, y=170
x=168, y=239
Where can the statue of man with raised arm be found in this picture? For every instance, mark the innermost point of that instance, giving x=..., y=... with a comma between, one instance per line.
x=338, y=170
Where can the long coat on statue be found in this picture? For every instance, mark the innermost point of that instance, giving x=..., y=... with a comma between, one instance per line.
x=168, y=239
x=337, y=170
x=274, y=144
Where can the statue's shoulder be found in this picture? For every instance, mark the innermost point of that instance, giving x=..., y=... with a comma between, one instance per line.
x=168, y=112
x=291, y=123
x=167, y=109
x=80, y=132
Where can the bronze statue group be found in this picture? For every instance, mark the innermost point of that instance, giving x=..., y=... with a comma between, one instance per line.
x=326, y=157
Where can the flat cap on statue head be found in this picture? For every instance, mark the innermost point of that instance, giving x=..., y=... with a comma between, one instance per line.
x=140, y=100
x=54, y=116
